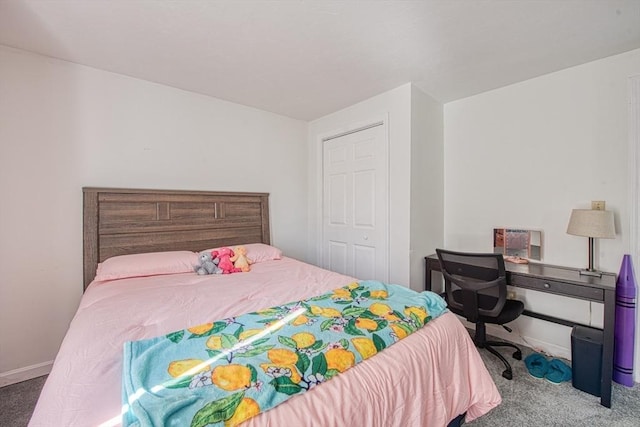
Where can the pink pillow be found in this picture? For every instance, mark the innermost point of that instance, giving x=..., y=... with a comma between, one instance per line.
x=146, y=264
x=258, y=252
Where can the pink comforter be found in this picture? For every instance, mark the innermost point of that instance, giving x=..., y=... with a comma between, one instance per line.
x=426, y=379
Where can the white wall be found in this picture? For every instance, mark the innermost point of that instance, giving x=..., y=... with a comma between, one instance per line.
x=427, y=182
x=525, y=155
x=65, y=126
x=396, y=105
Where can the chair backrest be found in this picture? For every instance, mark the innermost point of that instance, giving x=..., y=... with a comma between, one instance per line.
x=481, y=278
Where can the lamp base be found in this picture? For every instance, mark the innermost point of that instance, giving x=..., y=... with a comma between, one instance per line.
x=593, y=273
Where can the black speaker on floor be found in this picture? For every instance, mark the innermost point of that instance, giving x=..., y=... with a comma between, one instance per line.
x=586, y=359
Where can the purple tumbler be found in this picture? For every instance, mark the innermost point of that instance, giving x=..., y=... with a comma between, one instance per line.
x=625, y=324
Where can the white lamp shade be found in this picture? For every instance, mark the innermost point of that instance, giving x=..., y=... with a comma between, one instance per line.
x=592, y=223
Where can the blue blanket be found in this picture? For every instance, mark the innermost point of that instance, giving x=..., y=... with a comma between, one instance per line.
x=226, y=371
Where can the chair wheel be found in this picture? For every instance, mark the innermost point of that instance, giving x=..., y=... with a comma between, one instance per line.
x=517, y=355
x=507, y=374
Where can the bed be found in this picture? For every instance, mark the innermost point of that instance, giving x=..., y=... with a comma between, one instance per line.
x=433, y=377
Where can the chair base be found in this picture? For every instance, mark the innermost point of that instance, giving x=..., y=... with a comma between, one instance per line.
x=480, y=340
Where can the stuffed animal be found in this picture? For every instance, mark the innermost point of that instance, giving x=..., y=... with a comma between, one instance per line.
x=208, y=264
x=225, y=263
x=240, y=260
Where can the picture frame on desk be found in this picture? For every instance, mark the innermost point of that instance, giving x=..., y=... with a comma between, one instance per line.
x=518, y=243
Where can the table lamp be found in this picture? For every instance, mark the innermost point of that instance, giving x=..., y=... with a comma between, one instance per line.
x=592, y=223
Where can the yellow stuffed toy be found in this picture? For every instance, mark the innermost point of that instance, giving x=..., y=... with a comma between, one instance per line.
x=240, y=260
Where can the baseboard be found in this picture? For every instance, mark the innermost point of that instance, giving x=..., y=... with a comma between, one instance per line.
x=537, y=344
x=517, y=337
x=26, y=373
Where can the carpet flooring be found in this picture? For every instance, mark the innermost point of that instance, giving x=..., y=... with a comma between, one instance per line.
x=535, y=402
x=17, y=402
x=526, y=401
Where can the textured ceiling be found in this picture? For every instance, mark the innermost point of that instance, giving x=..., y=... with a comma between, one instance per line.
x=306, y=59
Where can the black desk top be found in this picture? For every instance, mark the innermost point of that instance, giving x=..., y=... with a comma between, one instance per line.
x=554, y=272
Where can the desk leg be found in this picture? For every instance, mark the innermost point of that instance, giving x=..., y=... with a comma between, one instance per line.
x=427, y=278
x=607, y=350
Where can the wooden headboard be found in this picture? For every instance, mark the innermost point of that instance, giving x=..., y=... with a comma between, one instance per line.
x=119, y=221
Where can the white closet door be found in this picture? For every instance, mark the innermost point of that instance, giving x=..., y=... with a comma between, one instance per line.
x=355, y=204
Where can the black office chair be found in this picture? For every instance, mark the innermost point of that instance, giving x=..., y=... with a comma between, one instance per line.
x=476, y=288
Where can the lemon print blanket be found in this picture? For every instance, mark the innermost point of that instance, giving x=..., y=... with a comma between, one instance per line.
x=226, y=371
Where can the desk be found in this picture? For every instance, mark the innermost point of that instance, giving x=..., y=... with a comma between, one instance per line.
x=569, y=283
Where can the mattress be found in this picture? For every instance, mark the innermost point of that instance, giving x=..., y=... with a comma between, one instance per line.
x=427, y=378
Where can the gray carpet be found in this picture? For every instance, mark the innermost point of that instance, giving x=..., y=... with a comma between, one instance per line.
x=534, y=402
x=526, y=401
x=17, y=402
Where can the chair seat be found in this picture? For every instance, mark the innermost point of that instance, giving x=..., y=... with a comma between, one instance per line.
x=511, y=310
